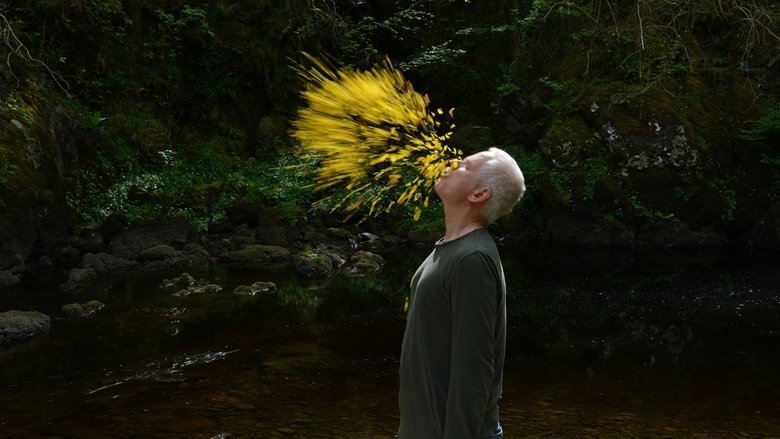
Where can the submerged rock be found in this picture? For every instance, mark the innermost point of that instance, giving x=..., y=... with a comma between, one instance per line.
x=18, y=325
x=82, y=309
x=317, y=264
x=199, y=287
x=255, y=288
x=183, y=281
x=363, y=262
x=186, y=285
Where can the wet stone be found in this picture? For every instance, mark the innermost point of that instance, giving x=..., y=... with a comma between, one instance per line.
x=82, y=309
x=255, y=288
x=18, y=325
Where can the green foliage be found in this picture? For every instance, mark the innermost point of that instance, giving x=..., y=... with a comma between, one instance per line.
x=562, y=96
x=650, y=215
x=764, y=133
x=729, y=195
x=198, y=188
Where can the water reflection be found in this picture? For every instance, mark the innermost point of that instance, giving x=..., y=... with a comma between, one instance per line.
x=601, y=344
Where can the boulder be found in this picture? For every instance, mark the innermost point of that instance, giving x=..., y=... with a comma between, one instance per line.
x=106, y=263
x=312, y=265
x=256, y=253
x=157, y=253
x=18, y=325
x=78, y=277
x=178, y=283
x=148, y=234
x=362, y=263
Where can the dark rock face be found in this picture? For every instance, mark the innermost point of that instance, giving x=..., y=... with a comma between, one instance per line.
x=34, y=215
x=651, y=170
x=19, y=325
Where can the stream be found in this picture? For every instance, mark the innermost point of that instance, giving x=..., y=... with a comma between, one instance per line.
x=600, y=345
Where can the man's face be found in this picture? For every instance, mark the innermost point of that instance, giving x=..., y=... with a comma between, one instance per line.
x=460, y=181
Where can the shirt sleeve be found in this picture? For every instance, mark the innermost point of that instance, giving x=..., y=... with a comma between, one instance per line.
x=474, y=303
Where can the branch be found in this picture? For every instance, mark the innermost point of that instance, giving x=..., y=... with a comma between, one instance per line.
x=18, y=48
x=641, y=30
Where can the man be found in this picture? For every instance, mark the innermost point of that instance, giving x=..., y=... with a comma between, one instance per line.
x=453, y=349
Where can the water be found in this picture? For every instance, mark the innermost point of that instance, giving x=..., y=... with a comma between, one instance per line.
x=600, y=345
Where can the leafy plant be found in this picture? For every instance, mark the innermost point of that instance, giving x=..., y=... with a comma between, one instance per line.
x=652, y=216
x=764, y=133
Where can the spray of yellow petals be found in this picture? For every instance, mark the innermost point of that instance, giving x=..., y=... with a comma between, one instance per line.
x=373, y=135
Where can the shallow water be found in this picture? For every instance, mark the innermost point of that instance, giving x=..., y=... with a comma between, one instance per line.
x=601, y=345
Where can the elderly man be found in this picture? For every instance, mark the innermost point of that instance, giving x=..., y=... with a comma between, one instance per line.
x=453, y=348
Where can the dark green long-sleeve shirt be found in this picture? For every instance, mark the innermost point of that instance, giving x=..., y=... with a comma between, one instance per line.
x=453, y=348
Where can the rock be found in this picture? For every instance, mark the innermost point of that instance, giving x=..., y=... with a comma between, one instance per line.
x=92, y=242
x=82, y=309
x=271, y=235
x=148, y=234
x=196, y=251
x=192, y=255
x=18, y=325
x=8, y=280
x=106, y=263
x=256, y=253
x=369, y=242
x=157, y=253
x=199, y=287
x=312, y=265
x=363, y=262
x=186, y=285
x=183, y=281
x=338, y=238
x=78, y=277
x=255, y=288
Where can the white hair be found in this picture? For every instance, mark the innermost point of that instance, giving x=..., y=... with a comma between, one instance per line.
x=501, y=174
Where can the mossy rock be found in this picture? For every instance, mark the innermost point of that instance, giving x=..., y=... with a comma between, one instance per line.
x=563, y=144
x=313, y=265
x=82, y=309
x=256, y=288
x=18, y=325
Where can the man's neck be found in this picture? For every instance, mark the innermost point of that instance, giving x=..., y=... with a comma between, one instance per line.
x=457, y=226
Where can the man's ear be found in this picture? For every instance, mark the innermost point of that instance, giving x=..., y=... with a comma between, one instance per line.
x=480, y=195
